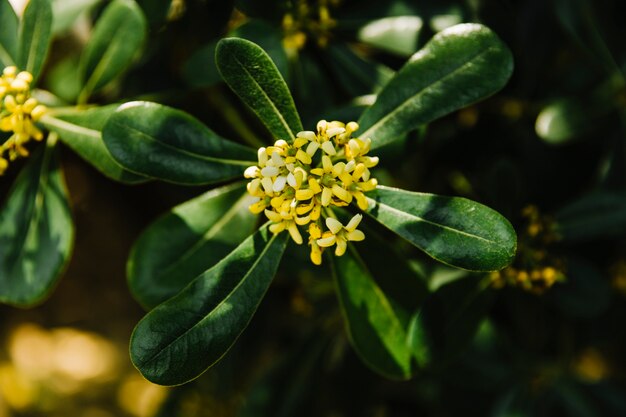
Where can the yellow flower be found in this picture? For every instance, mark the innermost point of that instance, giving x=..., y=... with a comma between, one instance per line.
x=18, y=114
x=339, y=235
x=296, y=184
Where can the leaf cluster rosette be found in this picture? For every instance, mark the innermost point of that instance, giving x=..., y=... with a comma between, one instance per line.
x=36, y=228
x=202, y=269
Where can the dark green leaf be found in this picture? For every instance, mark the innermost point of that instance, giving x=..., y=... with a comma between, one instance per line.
x=403, y=284
x=200, y=69
x=168, y=144
x=252, y=75
x=81, y=130
x=397, y=34
x=8, y=34
x=308, y=78
x=36, y=232
x=269, y=38
x=459, y=66
x=35, y=36
x=375, y=329
x=453, y=230
x=116, y=40
x=448, y=321
x=596, y=215
x=356, y=75
x=187, y=241
x=184, y=336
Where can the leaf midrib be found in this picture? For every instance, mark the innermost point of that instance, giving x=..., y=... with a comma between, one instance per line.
x=410, y=216
x=390, y=310
x=183, y=151
x=32, y=49
x=406, y=102
x=105, y=58
x=267, y=97
x=214, y=309
x=35, y=208
x=71, y=127
x=215, y=228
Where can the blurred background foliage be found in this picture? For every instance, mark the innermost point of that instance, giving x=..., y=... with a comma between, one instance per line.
x=548, y=152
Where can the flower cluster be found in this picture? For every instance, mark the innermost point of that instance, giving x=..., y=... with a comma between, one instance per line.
x=297, y=183
x=18, y=114
x=536, y=269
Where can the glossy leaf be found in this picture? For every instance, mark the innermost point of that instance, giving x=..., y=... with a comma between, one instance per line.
x=36, y=232
x=252, y=75
x=81, y=130
x=597, y=215
x=453, y=230
x=459, y=66
x=448, y=321
x=168, y=144
x=396, y=34
x=187, y=241
x=182, y=337
x=375, y=330
x=35, y=36
x=119, y=34
x=8, y=34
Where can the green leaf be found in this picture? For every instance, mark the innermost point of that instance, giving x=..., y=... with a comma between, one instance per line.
x=116, y=40
x=453, y=230
x=35, y=36
x=200, y=69
x=252, y=75
x=184, y=336
x=8, y=34
x=356, y=75
x=398, y=34
x=168, y=144
x=448, y=320
x=62, y=79
x=187, y=241
x=379, y=293
x=66, y=12
x=375, y=330
x=36, y=231
x=81, y=130
x=308, y=78
x=269, y=38
x=564, y=120
x=598, y=215
x=459, y=66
